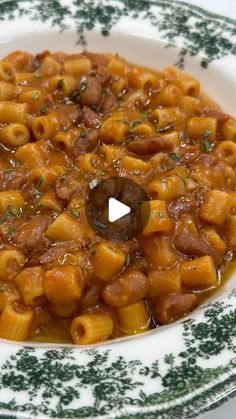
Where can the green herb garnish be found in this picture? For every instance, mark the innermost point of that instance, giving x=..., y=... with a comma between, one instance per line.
x=127, y=260
x=36, y=96
x=175, y=156
x=60, y=83
x=206, y=133
x=44, y=108
x=16, y=212
x=37, y=194
x=37, y=75
x=207, y=147
x=39, y=206
x=40, y=181
x=77, y=97
x=11, y=231
x=160, y=214
x=6, y=214
x=83, y=84
x=134, y=124
x=82, y=134
x=75, y=212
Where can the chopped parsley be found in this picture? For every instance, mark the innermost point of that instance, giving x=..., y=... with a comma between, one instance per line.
x=134, y=124
x=82, y=134
x=75, y=212
x=43, y=110
x=40, y=181
x=16, y=212
x=146, y=116
x=207, y=147
x=6, y=214
x=11, y=231
x=39, y=206
x=160, y=214
x=36, y=96
x=60, y=83
x=83, y=84
x=175, y=156
x=127, y=260
x=206, y=133
x=77, y=97
x=37, y=194
x=37, y=75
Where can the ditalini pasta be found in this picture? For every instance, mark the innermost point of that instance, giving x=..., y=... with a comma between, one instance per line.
x=69, y=121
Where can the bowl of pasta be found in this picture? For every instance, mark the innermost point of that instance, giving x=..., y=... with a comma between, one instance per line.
x=133, y=100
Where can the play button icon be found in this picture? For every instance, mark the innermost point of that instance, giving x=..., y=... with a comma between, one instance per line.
x=113, y=208
x=116, y=210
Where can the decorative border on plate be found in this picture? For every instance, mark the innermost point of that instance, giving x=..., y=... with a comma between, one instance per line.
x=177, y=22
x=59, y=378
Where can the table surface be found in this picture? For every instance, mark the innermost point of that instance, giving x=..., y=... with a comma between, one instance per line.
x=226, y=8
x=226, y=411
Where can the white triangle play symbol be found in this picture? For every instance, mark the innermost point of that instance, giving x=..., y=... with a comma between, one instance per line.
x=116, y=210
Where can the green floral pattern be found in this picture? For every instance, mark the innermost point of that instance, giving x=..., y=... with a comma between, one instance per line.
x=198, y=31
x=60, y=379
